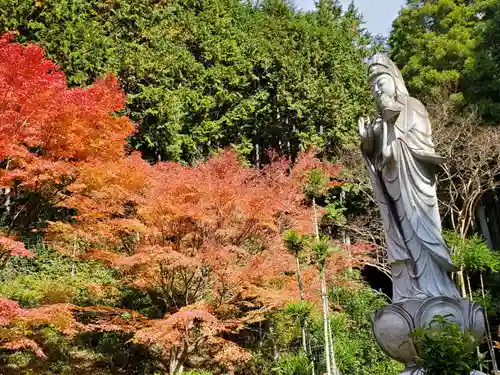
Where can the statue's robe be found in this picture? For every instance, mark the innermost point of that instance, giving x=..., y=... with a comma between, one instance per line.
x=405, y=189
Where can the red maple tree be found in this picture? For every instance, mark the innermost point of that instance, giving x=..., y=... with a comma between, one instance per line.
x=19, y=327
x=51, y=134
x=209, y=233
x=192, y=331
x=10, y=247
x=206, y=238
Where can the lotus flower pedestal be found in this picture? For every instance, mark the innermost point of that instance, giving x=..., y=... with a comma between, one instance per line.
x=392, y=325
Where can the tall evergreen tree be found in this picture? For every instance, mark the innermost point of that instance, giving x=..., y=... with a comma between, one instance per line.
x=450, y=47
x=432, y=42
x=201, y=75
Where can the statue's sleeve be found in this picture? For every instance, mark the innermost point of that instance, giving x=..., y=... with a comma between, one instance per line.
x=422, y=225
x=418, y=137
x=396, y=249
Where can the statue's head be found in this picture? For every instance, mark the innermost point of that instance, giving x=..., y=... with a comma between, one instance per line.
x=387, y=85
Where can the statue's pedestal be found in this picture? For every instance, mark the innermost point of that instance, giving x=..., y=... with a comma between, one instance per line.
x=393, y=323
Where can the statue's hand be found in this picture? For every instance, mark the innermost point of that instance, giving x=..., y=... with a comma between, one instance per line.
x=365, y=129
x=377, y=125
x=361, y=127
x=363, y=122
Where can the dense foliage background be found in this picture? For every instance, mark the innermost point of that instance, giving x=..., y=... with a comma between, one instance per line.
x=450, y=46
x=201, y=75
x=163, y=210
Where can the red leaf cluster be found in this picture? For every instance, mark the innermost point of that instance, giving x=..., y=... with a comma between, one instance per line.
x=217, y=227
x=24, y=344
x=207, y=239
x=11, y=247
x=208, y=234
x=191, y=331
x=9, y=310
x=52, y=135
x=18, y=326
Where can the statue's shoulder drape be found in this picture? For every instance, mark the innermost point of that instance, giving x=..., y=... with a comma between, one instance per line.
x=415, y=170
x=414, y=128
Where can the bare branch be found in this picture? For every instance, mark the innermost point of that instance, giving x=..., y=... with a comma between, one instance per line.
x=473, y=162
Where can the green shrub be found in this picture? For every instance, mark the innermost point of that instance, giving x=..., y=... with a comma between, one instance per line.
x=294, y=364
x=445, y=349
x=53, y=278
x=356, y=350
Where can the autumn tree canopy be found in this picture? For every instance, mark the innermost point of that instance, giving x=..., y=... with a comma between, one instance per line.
x=204, y=75
x=52, y=135
x=203, y=243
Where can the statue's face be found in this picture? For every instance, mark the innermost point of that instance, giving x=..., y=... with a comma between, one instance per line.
x=384, y=84
x=384, y=91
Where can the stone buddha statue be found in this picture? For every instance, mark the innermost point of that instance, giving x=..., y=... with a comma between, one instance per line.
x=401, y=163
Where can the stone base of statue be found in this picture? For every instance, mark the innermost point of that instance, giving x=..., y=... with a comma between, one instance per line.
x=393, y=323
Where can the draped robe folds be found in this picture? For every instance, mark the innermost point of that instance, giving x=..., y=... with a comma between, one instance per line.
x=405, y=189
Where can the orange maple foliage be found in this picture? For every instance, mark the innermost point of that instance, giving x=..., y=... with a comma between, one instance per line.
x=206, y=238
x=217, y=227
x=10, y=247
x=105, y=197
x=212, y=234
x=9, y=310
x=67, y=146
x=39, y=111
x=54, y=136
x=187, y=332
x=209, y=233
x=18, y=326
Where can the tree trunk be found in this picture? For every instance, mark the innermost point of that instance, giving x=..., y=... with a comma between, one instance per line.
x=7, y=203
x=276, y=353
x=73, y=265
x=489, y=339
x=305, y=346
x=324, y=304
x=309, y=352
x=346, y=240
x=329, y=351
x=177, y=359
x=257, y=156
x=302, y=299
x=335, y=371
x=299, y=278
x=461, y=279
x=304, y=339
x=173, y=363
x=468, y=286
x=7, y=192
x=315, y=220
